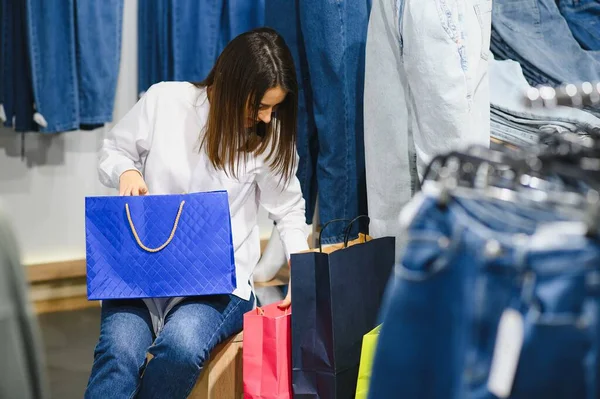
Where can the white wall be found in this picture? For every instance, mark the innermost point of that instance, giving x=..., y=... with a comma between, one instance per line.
x=44, y=193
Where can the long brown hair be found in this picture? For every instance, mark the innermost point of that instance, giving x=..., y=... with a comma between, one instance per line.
x=251, y=64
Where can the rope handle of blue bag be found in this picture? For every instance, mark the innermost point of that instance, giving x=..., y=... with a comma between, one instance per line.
x=349, y=228
x=137, y=237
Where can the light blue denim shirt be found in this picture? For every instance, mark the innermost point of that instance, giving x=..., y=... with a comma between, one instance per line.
x=426, y=92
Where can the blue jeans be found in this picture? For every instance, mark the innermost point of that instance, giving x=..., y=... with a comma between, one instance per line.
x=75, y=48
x=462, y=267
x=192, y=330
x=503, y=51
x=181, y=40
x=537, y=32
x=327, y=39
x=16, y=86
x=583, y=17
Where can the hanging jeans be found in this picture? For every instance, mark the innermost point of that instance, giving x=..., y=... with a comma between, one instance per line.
x=583, y=17
x=536, y=31
x=327, y=39
x=181, y=40
x=462, y=267
x=15, y=73
x=75, y=48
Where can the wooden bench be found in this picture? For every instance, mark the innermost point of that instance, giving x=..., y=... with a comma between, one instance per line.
x=222, y=375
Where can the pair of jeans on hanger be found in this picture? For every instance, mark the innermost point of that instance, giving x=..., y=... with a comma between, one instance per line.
x=327, y=39
x=583, y=17
x=75, y=48
x=181, y=40
x=463, y=266
x=16, y=90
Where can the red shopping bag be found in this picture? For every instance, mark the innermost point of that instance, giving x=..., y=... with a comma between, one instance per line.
x=267, y=353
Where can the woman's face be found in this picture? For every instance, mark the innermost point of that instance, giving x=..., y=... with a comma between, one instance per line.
x=272, y=98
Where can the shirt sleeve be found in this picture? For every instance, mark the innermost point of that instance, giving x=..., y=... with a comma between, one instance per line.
x=126, y=145
x=286, y=207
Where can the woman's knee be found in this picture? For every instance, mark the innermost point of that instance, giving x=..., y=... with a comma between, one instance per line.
x=124, y=339
x=114, y=347
x=185, y=351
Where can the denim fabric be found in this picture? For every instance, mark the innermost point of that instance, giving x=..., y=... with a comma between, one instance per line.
x=503, y=51
x=7, y=77
x=410, y=94
x=154, y=51
x=16, y=74
x=240, y=16
x=389, y=144
x=517, y=134
x=327, y=39
x=195, y=32
x=74, y=48
x=192, y=330
x=515, y=123
x=98, y=49
x=583, y=17
x=536, y=31
x=462, y=267
x=181, y=40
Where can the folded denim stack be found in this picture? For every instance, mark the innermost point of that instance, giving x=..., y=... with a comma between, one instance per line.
x=536, y=34
x=513, y=123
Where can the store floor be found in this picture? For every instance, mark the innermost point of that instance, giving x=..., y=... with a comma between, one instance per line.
x=69, y=340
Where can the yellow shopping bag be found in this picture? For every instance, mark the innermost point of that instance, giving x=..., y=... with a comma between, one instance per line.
x=369, y=345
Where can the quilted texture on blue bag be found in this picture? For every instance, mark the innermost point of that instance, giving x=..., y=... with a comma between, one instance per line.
x=199, y=260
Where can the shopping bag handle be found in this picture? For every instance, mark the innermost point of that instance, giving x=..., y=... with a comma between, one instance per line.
x=137, y=237
x=325, y=226
x=261, y=312
x=349, y=228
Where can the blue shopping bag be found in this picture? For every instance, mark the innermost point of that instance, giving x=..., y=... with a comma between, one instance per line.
x=159, y=246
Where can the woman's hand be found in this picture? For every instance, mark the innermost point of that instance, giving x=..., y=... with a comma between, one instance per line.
x=131, y=182
x=288, y=298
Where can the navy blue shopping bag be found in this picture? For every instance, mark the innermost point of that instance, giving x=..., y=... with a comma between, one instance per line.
x=335, y=300
x=159, y=246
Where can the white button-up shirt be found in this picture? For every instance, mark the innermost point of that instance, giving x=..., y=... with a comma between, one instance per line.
x=160, y=137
